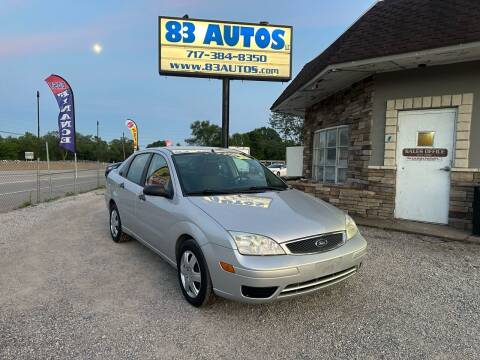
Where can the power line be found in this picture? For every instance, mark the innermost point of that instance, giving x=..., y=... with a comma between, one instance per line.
x=9, y=132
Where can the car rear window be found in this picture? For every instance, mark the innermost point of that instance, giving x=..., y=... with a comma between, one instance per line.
x=137, y=167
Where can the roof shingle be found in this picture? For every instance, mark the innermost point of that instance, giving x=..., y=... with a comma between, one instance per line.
x=393, y=27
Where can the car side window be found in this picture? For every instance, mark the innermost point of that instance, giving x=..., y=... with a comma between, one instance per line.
x=137, y=167
x=158, y=173
x=122, y=170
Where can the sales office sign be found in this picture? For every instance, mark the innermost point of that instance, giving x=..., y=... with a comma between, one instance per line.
x=217, y=49
x=425, y=154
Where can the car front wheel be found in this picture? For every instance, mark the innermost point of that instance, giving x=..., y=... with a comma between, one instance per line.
x=116, y=225
x=193, y=275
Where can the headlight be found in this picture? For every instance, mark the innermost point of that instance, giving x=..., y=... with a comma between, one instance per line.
x=351, y=227
x=253, y=244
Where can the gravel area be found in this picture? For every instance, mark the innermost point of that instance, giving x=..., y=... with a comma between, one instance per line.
x=68, y=291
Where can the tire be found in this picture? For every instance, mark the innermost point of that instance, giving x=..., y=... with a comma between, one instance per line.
x=191, y=266
x=278, y=173
x=115, y=225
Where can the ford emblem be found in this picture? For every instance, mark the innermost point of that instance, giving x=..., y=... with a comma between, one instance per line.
x=321, y=243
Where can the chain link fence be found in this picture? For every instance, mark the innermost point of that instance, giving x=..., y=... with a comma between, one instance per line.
x=24, y=183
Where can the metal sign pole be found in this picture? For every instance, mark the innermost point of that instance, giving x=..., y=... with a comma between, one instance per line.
x=38, y=146
x=48, y=169
x=75, y=176
x=225, y=111
x=98, y=161
x=123, y=144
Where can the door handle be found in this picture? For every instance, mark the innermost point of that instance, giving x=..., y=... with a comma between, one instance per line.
x=122, y=185
x=446, y=168
x=142, y=197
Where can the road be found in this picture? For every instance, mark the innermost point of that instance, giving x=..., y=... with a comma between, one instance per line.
x=69, y=292
x=20, y=187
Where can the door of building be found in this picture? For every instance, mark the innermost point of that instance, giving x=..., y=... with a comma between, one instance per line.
x=425, y=146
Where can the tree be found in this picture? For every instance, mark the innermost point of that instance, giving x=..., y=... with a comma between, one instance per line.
x=266, y=144
x=238, y=139
x=158, y=143
x=290, y=127
x=88, y=148
x=205, y=134
x=115, y=149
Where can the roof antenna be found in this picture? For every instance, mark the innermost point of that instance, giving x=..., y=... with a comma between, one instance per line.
x=185, y=16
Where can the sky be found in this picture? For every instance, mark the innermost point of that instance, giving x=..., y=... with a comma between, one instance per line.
x=39, y=37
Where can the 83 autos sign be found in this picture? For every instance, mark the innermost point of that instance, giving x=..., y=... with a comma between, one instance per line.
x=205, y=48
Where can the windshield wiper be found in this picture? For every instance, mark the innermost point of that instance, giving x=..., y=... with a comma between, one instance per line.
x=267, y=188
x=210, y=192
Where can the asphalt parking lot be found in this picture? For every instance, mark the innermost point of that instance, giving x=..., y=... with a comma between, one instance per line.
x=68, y=291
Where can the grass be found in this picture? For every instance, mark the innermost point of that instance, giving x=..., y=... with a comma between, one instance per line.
x=67, y=194
x=25, y=204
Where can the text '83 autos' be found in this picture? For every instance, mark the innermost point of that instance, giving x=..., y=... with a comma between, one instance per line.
x=230, y=226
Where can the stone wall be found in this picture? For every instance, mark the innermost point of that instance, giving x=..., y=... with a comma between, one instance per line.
x=461, y=198
x=376, y=200
x=352, y=107
x=368, y=192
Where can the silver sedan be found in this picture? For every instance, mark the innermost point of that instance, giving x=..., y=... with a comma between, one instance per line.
x=230, y=226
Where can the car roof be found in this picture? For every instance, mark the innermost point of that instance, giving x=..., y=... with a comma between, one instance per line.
x=187, y=149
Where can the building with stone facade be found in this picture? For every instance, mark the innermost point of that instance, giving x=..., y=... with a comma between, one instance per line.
x=392, y=113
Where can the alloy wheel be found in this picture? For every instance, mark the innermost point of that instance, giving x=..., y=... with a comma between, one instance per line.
x=190, y=273
x=114, y=223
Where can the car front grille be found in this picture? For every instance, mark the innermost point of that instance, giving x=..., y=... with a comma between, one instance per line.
x=317, y=244
x=318, y=283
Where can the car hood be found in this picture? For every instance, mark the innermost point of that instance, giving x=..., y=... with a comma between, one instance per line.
x=283, y=215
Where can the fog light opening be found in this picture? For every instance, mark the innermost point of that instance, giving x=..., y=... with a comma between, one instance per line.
x=227, y=267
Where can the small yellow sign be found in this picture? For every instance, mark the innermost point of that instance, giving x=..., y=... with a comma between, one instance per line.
x=204, y=48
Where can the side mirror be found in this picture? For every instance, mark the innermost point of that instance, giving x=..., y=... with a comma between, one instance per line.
x=157, y=190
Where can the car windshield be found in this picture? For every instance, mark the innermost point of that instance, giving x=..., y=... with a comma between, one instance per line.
x=223, y=172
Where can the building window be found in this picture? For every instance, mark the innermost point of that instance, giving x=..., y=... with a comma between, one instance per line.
x=330, y=155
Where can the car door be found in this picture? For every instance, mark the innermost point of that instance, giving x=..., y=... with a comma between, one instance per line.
x=156, y=215
x=130, y=189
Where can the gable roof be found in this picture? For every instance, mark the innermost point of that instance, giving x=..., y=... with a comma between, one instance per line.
x=393, y=27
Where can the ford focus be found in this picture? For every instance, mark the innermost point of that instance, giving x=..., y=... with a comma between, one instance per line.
x=230, y=226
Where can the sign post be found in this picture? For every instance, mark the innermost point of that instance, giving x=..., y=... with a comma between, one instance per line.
x=98, y=156
x=225, y=111
x=38, y=146
x=48, y=170
x=224, y=50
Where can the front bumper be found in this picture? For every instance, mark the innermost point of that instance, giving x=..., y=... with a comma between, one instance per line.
x=283, y=276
